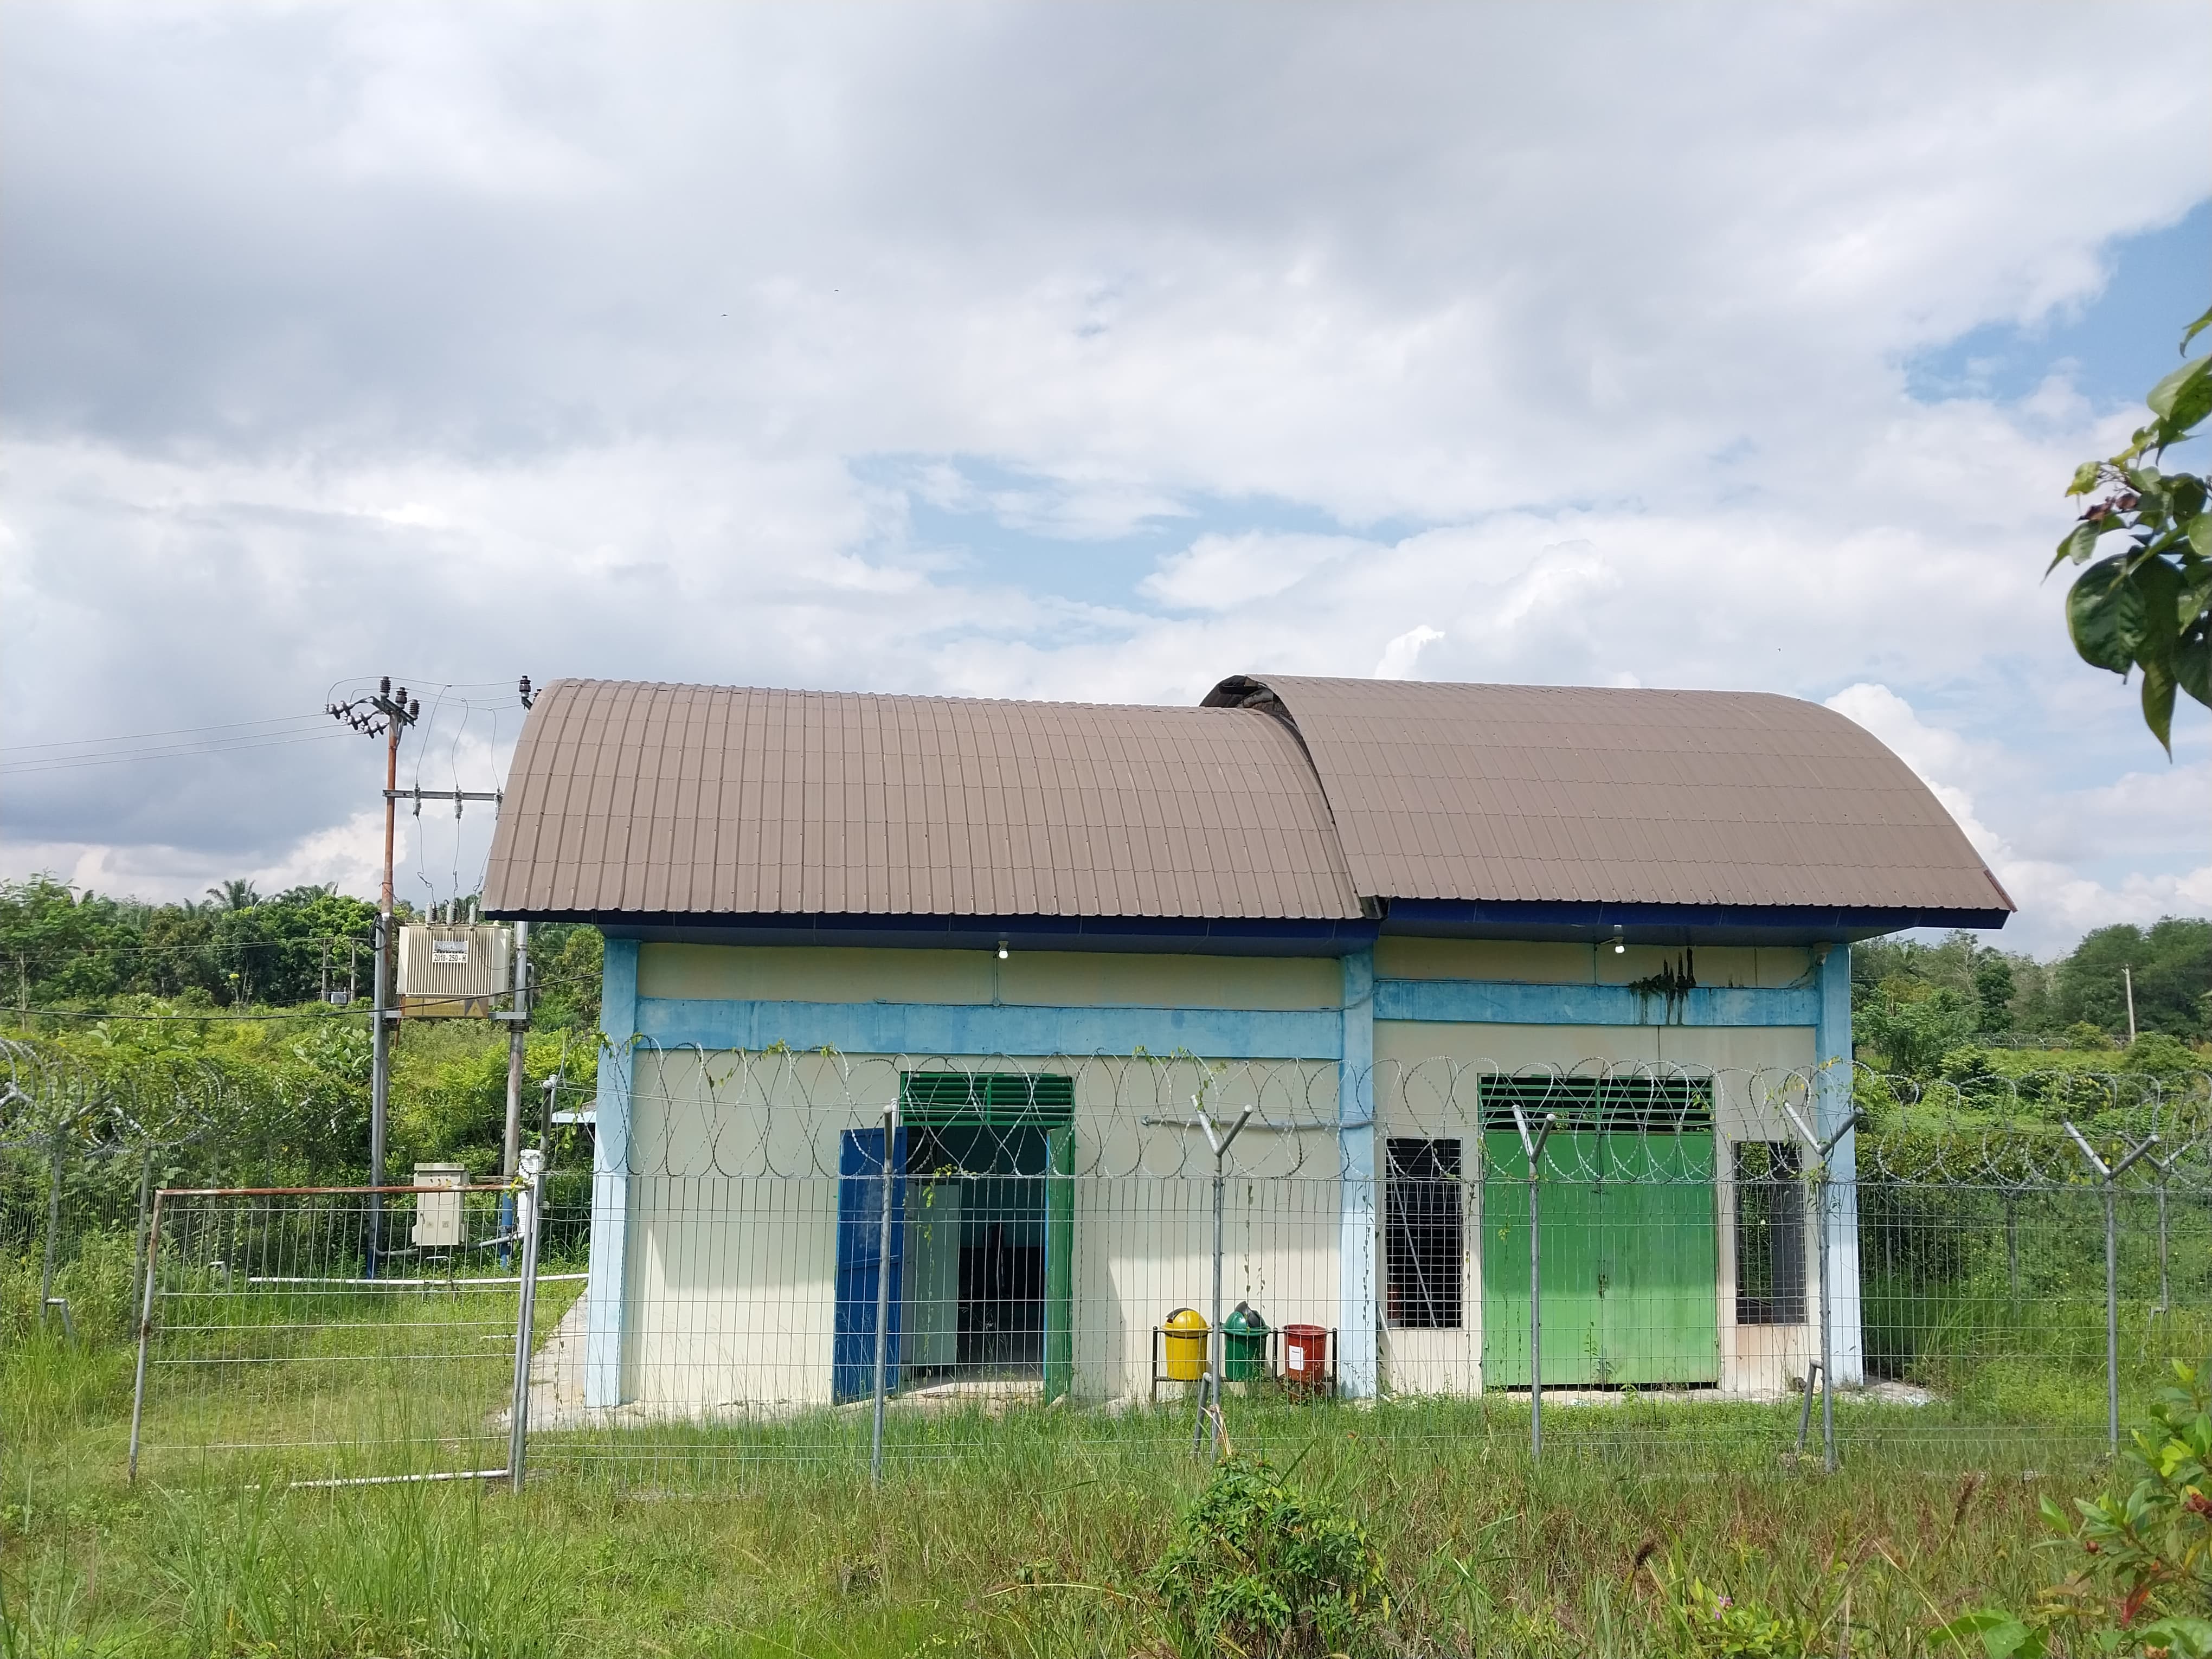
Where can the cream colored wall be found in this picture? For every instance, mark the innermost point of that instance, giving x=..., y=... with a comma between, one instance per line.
x=1043, y=979
x=733, y=1215
x=1532, y=963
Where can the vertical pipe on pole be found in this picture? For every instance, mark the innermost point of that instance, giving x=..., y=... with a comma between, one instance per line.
x=529, y=1190
x=145, y=1334
x=517, y=1032
x=379, y=1084
x=883, y=1299
x=379, y=1081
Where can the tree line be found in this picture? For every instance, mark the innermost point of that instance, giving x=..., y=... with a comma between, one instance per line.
x=1914, y=1004
x=63, y=948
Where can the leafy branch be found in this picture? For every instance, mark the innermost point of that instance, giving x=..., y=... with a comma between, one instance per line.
x=2150, y=605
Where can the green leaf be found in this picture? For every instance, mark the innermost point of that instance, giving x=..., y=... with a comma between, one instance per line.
x=2195, y=329
x=2003, y=1636
x=2078, y=542
x=2183, y=399
x=2085, y=477
x=2165, y=396
x=2104, y=614
x=2193, y=660
x=2158, y=703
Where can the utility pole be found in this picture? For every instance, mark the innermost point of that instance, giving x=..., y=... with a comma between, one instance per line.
x=2128, y=976
x=519, y=1030
x=385, y=716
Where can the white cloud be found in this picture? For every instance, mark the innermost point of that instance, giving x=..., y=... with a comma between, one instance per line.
x=1403, y=654
x=641, y=341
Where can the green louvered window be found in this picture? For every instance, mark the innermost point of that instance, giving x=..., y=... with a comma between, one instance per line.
x=1042, y=1100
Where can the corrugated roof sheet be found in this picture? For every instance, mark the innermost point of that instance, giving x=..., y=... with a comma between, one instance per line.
x=675, y=799
x=1560, y=794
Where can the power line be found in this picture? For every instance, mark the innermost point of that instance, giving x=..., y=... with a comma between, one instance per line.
x=171, y=732
x=70, y=762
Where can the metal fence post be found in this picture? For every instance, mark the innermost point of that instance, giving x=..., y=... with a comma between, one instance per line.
x=1827, y=1330
x=883, y=1299
x=2109, y=1175
x=53, y=1224
x=1823, y=1150
x=145, y=1335
x=1217, y=1341
x=529, y=1210
x=138, y=1230
x=1533, y=1147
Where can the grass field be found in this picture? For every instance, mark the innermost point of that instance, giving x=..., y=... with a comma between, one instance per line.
x=1029, y=1534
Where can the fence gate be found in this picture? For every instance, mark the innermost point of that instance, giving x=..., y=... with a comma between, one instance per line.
x=331, y=1334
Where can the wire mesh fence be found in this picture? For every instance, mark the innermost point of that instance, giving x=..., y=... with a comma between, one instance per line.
x=817, y=1258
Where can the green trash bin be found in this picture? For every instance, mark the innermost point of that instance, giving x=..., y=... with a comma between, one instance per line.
x=1243, y=1345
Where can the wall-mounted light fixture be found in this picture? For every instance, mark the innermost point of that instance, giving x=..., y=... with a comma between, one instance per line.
x=1002, y=950
x=1619, y=944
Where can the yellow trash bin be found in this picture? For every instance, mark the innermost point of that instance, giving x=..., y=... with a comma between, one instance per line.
x=1183, y=1336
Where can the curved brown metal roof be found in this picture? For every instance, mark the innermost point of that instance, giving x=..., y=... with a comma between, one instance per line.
x=641, y=799
x=1520, y=793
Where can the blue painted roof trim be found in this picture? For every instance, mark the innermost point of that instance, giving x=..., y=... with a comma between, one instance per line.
x=1194, y=935
x=1667, y=924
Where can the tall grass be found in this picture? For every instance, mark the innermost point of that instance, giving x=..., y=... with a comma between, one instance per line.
x=1024, y=1534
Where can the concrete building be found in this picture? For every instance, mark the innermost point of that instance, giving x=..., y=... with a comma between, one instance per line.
x=1384, y=914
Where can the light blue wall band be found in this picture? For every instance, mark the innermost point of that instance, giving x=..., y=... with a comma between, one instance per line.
x=896, y=1028
x=900, y=1027
x=606, y=1286
x=1494, y=1002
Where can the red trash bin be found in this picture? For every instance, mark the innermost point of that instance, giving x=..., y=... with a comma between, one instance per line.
x=1305, y=1357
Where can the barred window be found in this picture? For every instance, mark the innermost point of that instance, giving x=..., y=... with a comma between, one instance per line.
x=1423, y=1235
x=1770, y=1234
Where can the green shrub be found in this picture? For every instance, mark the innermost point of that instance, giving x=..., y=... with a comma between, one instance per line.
x=1713, y=1626
x=2142, y=1584
x=1258, y=1567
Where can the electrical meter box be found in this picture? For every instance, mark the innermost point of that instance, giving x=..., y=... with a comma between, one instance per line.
x=454, y=970
x=442, y=1221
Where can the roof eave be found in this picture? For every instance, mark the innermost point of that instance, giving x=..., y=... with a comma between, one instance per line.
x=1671, y=924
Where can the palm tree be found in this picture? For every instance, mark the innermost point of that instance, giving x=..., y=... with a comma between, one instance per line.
x=235, y=895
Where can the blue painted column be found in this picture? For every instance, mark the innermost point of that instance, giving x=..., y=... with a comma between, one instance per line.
x=1831, y=1043
x=604, y=1289
x=1359, y=1292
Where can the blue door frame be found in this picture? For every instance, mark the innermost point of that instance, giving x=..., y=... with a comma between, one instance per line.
x=859, y=1249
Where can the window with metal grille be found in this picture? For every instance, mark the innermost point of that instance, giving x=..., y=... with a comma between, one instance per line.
x=1638, y=1101
x=1045, y=1099
x=1770, y=1234
x=1423, y=1234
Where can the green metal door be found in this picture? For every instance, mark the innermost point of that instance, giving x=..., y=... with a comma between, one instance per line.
x=1658, y=1266
x=1567, y=1209
x=1628, y=1250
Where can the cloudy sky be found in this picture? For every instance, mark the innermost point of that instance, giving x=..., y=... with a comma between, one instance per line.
x=1069, y=352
